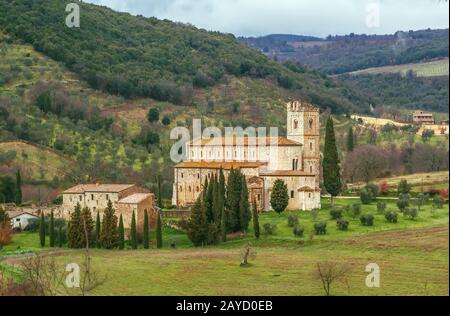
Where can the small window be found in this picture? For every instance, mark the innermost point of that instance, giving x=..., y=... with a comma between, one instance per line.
x=295, y=124
x=198, y=176
x=182, y=175
x=92, y=197
x=259, y=197
x=81, y=198
x=311, y=122
x=311, y=169
x=198, y=189
x=190, y=189
x=309, y=195
x=17, y=219
x=107, y=197
x=292, y=194
x=181, y=189
x=311, y=146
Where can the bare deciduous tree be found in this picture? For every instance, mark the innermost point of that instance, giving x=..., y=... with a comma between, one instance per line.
x=330, y=272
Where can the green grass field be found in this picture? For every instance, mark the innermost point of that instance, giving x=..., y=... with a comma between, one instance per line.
x=426, y=69
x=412, y=255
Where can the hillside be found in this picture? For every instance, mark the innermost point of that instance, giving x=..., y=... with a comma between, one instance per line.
x=341, y=54
x=434, y=68
x=133, y=56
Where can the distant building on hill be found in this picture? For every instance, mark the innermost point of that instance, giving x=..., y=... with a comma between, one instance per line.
x=422, y=117
x=125, y=198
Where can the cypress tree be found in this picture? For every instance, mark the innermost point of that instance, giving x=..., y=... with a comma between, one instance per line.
x=255, y=220
x=87, y=226
x=160, y=204
x=244, y=207
x=109, y=236
x=331, y=169
x=350, y=140
x=279, y=199
x=145, y=238
x=42, y=230
x=60, y=236
x=159, y=241
x=18, y=197
x=75, y=230
x=52, y=230
x=216, y=202
x=198, y=227
x=134, y=244
x=97, y=231
x=233, y=199
x=223, y=226
x=209, y=202
x=121, y=233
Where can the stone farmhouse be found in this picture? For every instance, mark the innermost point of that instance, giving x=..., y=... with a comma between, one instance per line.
x=125, y=198
x=296, y=162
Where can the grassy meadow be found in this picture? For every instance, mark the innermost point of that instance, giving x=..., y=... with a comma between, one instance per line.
x=425, y=69
x=412, y=255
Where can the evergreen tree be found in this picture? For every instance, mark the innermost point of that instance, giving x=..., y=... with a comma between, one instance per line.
x=233, y=201
x=221, y=195
x=216, y=202
x=134, y=242
x=350, y=140
x=145, y=238
x=87, y=227
x=223, y=226
x=244, y=207
x=255, y=220
x=18, y=199
x=98, y=244
x=197, y=226
x=209, y=201
x=331, y=169
x=109, y=236
x=279, y=199
x=42, y=230
x=121, y=233
x=159, y=241
x=160, y=203
x=51, y=232
x=60, y=236
x=75, y=230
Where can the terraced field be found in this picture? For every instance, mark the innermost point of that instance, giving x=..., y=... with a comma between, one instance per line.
x=427, y=69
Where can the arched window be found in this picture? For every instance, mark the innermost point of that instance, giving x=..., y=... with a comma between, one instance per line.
x=295, y=124
x=311, y=145
x=311, y=122
x=190, y=189
x=292, y=194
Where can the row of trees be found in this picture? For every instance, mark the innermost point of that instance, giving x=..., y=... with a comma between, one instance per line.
x=108, y=233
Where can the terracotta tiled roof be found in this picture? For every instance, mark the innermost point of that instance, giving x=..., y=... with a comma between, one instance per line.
x=226, y=141
x=217, y=165
x=114, y=188
x=285, y=173
x=308, y=189
x=13, y=214
x=135, y=198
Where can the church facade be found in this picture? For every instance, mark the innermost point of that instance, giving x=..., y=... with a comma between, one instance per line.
x=295, y=159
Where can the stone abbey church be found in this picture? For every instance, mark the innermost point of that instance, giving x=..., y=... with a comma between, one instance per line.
x=296, y=162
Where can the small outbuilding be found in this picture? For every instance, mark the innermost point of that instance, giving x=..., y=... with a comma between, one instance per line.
x=20, y=219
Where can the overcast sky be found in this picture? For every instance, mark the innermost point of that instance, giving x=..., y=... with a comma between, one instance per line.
x=303, y=17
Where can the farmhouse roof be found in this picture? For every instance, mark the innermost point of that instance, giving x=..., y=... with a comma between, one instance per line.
x=113, y=188
x=14, y=214
x=135, y=198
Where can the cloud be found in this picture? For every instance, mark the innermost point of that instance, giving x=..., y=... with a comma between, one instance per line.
x=306, y=17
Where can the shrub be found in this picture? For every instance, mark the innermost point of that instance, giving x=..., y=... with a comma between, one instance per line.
x=391, y=217
x=269, y=229
x=444, y=194
x=381, y=207
x=438, y=201
x=292, y=220
x=320, y=228
x=373, y=189
x=367, y=220
x=315, y=214
x=366, y=196
x=384, y=188
x=411, y=213
x=403, y=202
x=298, y=231
x=403, y=187
x=335, y=213
x=356, y=210
x=342, y=224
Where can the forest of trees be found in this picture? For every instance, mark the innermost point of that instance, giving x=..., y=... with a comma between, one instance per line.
x=340, y=54
x=395, y=90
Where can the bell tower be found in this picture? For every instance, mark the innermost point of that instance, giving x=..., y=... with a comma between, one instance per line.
x=303, y=126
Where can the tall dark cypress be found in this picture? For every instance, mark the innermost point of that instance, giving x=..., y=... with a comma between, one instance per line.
x=244, y=207
x=331, y=168
x=75, y=229
x=232, y=201
x=109, y=236
x=209, y=202
x=61, y=238
x=159, y=240
x=134, y=244
x=145, y=238
x=197, y=226
x=42, y=230
x=51, y=232
x=223, y=226
x=97, y=231
x=255, y=220
x=350, y=140
x=160, y=202
x=121, y=233
x=18, y=195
